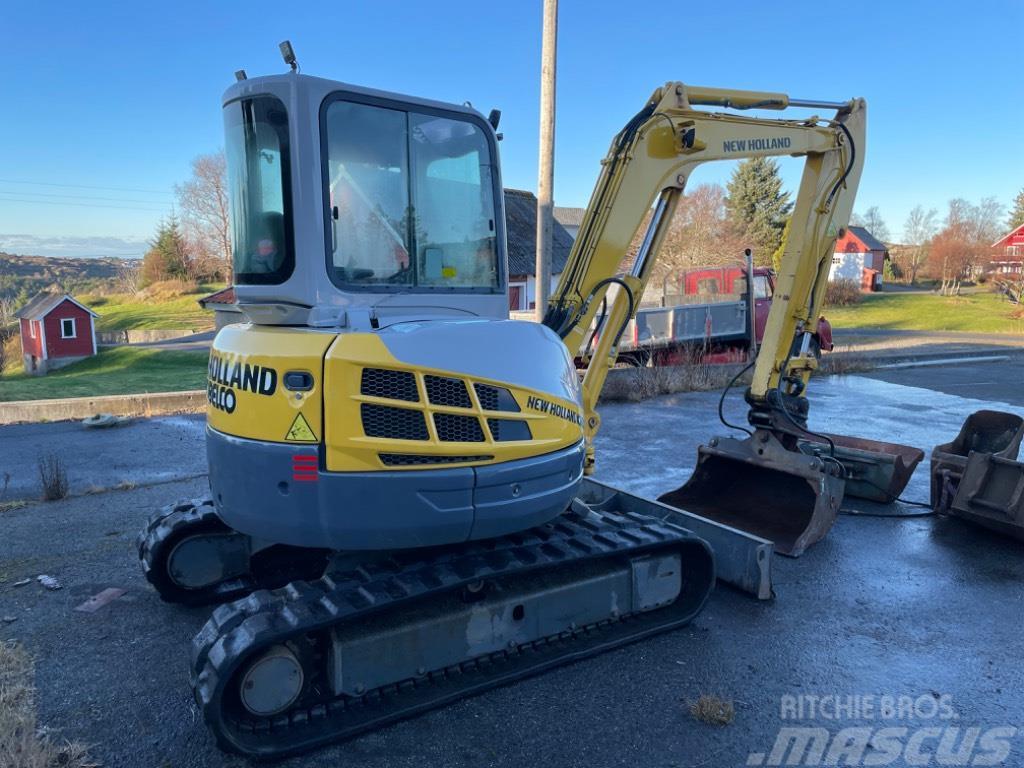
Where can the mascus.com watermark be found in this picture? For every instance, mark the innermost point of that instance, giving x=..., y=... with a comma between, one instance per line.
x=920, y=730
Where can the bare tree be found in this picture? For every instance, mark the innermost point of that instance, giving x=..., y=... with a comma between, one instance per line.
x=964, y=244
x=872, y=221
x=700, y=234
x=204, y=208
x=918, y=230
x=129, y=276
x=8, y=307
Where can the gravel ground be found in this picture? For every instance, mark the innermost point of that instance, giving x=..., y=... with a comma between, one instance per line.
x=917, y=607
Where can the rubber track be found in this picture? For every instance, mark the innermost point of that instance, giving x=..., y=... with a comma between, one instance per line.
x=238, y=631
x=167, y=525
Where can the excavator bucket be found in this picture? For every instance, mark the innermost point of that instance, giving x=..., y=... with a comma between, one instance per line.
x=991, y=494
x=758, y=486
x=993, y=433
x=874, y=470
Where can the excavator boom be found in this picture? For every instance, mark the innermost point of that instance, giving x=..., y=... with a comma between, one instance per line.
x=648, y=165
x=642, y=178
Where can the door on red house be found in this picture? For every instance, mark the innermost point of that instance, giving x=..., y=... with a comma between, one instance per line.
x=515, y=296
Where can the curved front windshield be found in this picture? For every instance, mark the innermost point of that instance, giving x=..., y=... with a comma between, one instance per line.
x=411, y=200
x=256, y=133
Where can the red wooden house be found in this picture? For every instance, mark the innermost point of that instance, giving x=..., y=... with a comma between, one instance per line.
x=1008, y=253
x=859, y=256
x=56, y=330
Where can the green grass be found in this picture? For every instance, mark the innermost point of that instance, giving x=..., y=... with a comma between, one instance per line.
x=118, y=312
x=979, y=313
x=114, y=371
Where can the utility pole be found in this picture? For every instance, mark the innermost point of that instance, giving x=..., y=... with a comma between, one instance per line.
x=546, y=170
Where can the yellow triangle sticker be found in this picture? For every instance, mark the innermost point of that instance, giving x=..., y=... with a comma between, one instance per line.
x=300, y=431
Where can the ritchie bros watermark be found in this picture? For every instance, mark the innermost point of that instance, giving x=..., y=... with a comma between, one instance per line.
x=881, y=730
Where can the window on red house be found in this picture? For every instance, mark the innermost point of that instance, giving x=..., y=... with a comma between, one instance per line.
x=67, y=328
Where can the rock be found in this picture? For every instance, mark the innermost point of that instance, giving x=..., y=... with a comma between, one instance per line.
x=48, y=581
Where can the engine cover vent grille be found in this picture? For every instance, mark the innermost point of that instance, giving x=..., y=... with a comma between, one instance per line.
x=394, y=385
x=393, y=423
x=506, y=430
x=412, y=459
x=442, y=390
x=452, y=428
x=495, y=398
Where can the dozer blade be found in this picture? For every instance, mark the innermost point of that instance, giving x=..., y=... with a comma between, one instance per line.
x=758, y=486
x=875, y=470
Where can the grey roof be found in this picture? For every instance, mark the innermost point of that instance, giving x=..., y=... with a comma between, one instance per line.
x=872, y=242
x=42, y=303
x=521, y=225
x=569, y=217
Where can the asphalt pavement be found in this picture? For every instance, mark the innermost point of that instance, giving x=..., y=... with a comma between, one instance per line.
x=998, y=380
x=924, y=608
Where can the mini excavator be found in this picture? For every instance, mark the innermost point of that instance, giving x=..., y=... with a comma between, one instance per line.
x=394, y=464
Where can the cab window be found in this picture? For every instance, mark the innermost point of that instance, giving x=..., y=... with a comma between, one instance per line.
x=410, y=200
x=256, y=132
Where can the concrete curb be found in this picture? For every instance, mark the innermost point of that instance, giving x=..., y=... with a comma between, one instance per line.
x=881, y=357
x=149, y=404
x=140, y=336
x=194, y=401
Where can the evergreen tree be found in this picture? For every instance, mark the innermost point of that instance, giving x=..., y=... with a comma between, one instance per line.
x=167, y=257
x=777, y=256
x=1017, y=214
x=757, y=206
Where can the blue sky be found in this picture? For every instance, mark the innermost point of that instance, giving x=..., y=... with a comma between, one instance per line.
x=122, y=95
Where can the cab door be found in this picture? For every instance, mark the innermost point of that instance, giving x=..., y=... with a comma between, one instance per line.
x=764, y=289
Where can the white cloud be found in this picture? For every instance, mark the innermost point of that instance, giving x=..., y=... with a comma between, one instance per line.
x=78, y=247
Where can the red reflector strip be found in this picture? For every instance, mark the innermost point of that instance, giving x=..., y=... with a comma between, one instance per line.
x=305, y=468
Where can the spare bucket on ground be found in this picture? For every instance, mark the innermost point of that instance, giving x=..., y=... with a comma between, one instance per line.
x=873, y=469
x=993, y=433
x=991, y=493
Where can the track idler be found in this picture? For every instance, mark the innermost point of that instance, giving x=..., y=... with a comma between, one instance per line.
x=192, y=557
x=759, y=486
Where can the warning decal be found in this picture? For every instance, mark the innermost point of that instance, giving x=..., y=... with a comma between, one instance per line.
x=300, y=431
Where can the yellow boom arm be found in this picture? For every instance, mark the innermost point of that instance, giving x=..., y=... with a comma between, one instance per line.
x=648, y=165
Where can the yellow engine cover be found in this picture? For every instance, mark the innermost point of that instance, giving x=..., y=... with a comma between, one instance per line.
x=371, y=410
x=245, y=383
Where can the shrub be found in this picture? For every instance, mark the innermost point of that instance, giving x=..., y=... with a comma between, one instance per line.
x=53, y=478
x=10, y=351
x=713, y=710
x=842, y=293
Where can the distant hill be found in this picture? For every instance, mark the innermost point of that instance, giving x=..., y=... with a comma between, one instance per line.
x=21, y=277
